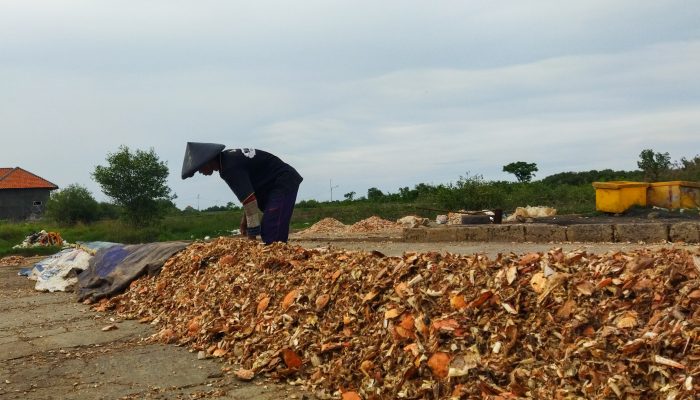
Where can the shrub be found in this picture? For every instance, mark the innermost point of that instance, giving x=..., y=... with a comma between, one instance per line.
x=136, y=181
x=72, y=204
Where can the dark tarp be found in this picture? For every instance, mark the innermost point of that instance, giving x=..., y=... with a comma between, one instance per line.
x=111, y=270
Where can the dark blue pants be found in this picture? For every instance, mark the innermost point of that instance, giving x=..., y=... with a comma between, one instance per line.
x=277, y=214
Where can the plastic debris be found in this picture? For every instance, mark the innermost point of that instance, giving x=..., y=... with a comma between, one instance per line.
x=42, y=238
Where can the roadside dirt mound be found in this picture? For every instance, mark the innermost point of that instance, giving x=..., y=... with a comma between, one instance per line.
x=434, y=326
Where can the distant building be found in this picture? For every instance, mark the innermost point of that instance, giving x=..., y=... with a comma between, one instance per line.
x=23, y=195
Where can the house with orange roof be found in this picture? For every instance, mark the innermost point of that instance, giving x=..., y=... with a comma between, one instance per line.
x=23, y=195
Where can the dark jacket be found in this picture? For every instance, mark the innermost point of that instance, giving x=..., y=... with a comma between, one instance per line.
x=256, y=171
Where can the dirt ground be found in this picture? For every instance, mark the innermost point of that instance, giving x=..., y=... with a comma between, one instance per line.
x=54, y=348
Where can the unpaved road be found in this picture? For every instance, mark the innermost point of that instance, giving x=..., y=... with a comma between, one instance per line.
x=54, y=348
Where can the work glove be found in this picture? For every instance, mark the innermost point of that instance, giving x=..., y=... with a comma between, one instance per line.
x=252, y=217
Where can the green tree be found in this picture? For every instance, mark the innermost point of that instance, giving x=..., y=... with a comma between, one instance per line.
x=374, y=194
x=167, y=207
x=232, y=206
x=136, y=182
x=72, y=204
x=216, y=208
x=107, y=210
x=522, y=170
x=311, y=203
x=653, y=164
x=688, y=169
x=406, y=194
x=349, y=196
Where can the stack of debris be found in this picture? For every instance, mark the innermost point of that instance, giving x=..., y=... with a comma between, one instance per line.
x=464, y=217
x=413, y=221
x=528, y=213
x=434, y=326
x=41, y=238
x=12, y=261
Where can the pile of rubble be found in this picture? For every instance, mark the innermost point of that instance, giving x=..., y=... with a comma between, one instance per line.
x=526, y=214
x=12, y=261
x=41, y=238
x=413, y=221
x=434, y=326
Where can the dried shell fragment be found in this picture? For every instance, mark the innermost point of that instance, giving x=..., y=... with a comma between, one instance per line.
x=219, y=352
x=402, y=289
x=585, y=288
x=167, y=335
x=445, y=325
x=370, y=296
x=529, y=258
x=194, y=326
x=481, y=299
x=227, y=261
x=322, y=301
x=509, y=308
x=262, y=305
x=289, y=299
x=439, y=364
x=511, y=274
x=244, y=374
x=538, y=282
x=457, y=302
x=668, y=362
x=350, y=396
x=463, y=363
x=627, y=320
x=291, y=359
x=566, y=309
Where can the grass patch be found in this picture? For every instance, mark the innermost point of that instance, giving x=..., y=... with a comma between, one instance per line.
x=30, y=251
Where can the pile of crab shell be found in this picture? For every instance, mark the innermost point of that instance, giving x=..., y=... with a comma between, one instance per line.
x=333, y=227
x=373, y=224
x=361, y=325
x=326, y=225
x=12, y=261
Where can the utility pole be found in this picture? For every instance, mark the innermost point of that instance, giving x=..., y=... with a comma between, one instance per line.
x=332, y=187
x=197, y=201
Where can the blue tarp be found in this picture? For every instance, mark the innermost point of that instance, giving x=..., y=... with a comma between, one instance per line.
x=112, y=269
x=59, y=271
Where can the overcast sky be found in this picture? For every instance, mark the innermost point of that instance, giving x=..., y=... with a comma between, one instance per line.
x=380, y=94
